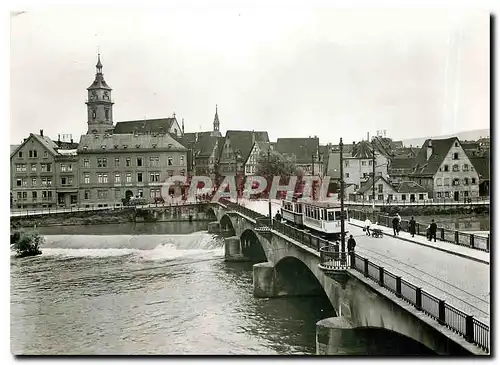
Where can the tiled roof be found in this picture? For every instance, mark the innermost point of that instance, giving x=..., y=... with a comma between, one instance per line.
x=145, y=126
x=205, y=145
x=410, y=187
x=242, y=141
x=66, y=145
x=141, y=141
x=302, y=148
x=362, y=150
x=440, y=148
x=402, y=163
x=482, y=166
x=368, y=184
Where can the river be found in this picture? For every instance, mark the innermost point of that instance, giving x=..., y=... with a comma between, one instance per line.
x=161, y=289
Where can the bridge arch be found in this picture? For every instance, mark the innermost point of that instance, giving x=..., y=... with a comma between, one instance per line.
x=383, y=341
x=295, y=278
x=226, y=224
x=251, y=247
x=211, y=213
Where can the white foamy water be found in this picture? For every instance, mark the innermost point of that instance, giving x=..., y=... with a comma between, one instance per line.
x=140, y=247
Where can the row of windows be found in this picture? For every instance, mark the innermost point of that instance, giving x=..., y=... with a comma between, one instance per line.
x=455, y=181
x=363, y=163
x=366, y=175
x=140, y=161
x=32, y=154
x=44, y=181
x=117, y=194
x=102, y=178
x=455, y=168
x=45, y=167
x=448, y=194
x=45, y=195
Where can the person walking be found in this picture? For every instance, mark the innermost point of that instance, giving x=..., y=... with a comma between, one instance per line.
x=395, y=223
x=432, y=230
x=413, y=226
x=351, y=244
x=368, y=223
x=399, y=222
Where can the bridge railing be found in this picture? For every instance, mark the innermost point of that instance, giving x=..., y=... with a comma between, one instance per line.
x=481, y=200
x=470, y=328
x=332, y=259
x=475, y=241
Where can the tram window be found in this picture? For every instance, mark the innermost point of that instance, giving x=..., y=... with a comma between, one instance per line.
x=331, y=215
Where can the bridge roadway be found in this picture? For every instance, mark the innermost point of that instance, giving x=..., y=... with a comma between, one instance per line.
x=462, y=281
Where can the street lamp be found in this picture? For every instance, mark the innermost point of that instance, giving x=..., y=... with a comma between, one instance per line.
x=342, y=214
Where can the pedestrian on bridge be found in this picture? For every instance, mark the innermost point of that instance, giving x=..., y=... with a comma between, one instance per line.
x=351, y=244
x=395, y=225
x=432, y=230
x=413, y=226
x=368, y=223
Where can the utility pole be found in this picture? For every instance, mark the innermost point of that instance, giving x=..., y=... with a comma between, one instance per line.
x=269, y=187
x=373, y=184
x=342, y=214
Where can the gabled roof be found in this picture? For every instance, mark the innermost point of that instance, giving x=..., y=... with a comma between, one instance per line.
x=45, y=141
x=205, y=145
x=302, y=148
x=145, y=126
x=482, y=166
x=440, y=148
x=141, y=141
x=262, y=146
x=242, y=141
x=369, y=183
x=410, y=187
x=362, y=150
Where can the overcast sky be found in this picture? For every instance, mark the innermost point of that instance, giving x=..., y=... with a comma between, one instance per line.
x=295, y=72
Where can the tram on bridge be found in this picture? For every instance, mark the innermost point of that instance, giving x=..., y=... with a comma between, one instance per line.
x=322, y=218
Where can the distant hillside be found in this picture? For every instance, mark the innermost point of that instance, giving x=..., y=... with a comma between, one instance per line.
x=463, y=136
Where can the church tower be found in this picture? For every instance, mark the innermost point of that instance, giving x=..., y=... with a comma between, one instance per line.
x=216, y=120
x=99, y=104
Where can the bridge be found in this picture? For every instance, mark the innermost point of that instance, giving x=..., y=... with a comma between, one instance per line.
x=391, y=285
x=473, y=202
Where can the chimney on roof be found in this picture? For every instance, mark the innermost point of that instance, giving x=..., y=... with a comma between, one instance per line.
x=41, y=132
x=368, y=136
x=429, y=149
x=58, y=138
x=71, y=140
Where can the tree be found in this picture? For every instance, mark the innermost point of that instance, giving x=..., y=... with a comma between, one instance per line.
x=274, y=164
x=26, y=243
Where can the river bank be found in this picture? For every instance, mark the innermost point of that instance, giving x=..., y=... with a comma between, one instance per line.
x=182, y=213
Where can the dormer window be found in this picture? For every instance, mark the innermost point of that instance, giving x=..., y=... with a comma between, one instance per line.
x=103, y=147
x=169, y=145
x=124, y=146
x=85, y=148
x=115, y=146
x=153, y=145
x=137, y=146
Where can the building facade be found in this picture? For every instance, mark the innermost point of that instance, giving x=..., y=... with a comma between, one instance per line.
x=42, y=174
x=253, y=158
x=113, y=167
x=358, y=166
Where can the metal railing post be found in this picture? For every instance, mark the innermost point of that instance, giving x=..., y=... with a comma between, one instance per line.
x=472, y=241
x=442, y=316
x=456, y=237
x=469, y=328
x=381, y=276
x=398, y=286
x=418, y=298
x=366, y=267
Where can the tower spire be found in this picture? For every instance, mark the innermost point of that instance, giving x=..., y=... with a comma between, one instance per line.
x=99, y=64
x=216, y=120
